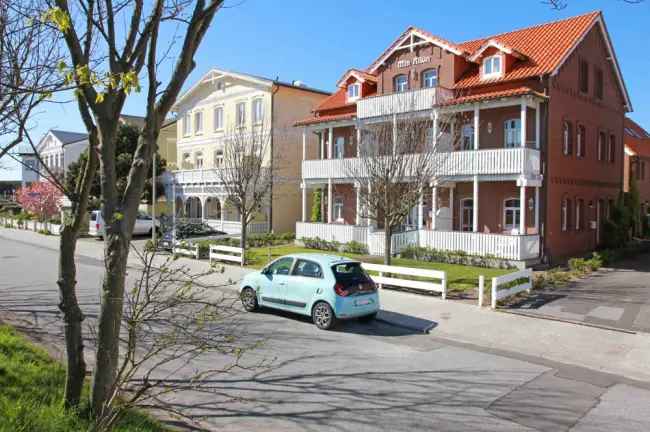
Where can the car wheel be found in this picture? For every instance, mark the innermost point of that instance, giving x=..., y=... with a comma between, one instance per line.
x=368, y=318
x=323, y=316
x=249, y=299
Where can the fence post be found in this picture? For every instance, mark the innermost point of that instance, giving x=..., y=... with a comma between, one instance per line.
x=481, y=289
x=494, y=293
x=444, y=287
x=381, y=286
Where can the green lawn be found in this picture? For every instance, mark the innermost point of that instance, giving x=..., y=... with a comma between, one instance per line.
x=460, y=277
x=31, y=392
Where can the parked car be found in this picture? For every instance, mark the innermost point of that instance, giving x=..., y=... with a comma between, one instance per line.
x=143, y=224
x=325, y=287
x=189, y=231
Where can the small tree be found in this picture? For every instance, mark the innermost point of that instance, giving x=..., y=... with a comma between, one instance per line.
x=247, y=173
x=316, y=206
x=41, y=198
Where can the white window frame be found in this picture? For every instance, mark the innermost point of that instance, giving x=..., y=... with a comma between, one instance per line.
x=567, y=130
x=198, y=160
x=516, y=214
x=512, y=137
x=353, y=91
x=579, y=203
x=240, y=116
x=339, y=147
x=491, y=62
x=337, y=209
x=198, y=122
x=186, y=160
x=463, y=223
x=398, y=86
x=258, y=111
x=218, y=158
x=217, y=118
x=433, y=76
x=187, y=124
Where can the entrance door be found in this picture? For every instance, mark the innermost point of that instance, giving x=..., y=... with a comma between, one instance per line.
x=467, y=215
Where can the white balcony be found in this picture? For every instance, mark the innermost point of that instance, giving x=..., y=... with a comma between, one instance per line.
x=512, y=161
x=398, y=103
x=196, y=176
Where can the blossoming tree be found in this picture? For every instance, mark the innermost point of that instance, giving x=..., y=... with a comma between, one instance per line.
x=41, y=198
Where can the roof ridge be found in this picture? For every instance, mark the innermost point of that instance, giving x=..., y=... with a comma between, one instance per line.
x=535, y=26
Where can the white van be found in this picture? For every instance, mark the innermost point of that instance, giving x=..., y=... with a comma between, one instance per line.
x=143, y=224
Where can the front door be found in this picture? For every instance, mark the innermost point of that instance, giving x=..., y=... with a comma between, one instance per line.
x=274, y=282
x=467, y=215
x=305, y=282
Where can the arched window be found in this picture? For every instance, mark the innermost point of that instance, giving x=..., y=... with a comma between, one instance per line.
x=339, y=148
x=512, y=133
x=218, y=158
x=430, y=78
x=511, y=214
x=601, y=145
x=400, y=83
x=567, y=138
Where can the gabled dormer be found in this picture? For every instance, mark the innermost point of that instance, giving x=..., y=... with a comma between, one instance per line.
x=357, y=84
x=495, y=59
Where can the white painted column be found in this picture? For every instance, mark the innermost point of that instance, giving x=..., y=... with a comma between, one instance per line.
x=434, y=206
x=368, y=221
x=329, y=201
x=321, y=138
x=476, y=126
x=537, y=210
x=475, y=202
x=304, y=202
x=434, y=131
x=524, y=129
x=358, y=141
x=421, y=210
x=522, y=210
x=394, y=133
x=330, y=139
x=358, y=204
x=304, y=143
x=451, y=205
x=537, y=125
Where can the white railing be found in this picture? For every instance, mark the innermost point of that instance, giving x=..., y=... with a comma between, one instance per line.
x=226, y=253
x=512, y=247
x=332, y=232
x=398, y=103
x=525, y=278
x=456, y=163
x=398, y=242
x=196, y=176
x=381, y=280
x=234, y=227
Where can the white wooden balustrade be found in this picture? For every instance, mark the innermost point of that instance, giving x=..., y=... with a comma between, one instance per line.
x=402, y=102
x=332, y=232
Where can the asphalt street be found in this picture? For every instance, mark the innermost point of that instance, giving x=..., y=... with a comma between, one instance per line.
x=361, y=377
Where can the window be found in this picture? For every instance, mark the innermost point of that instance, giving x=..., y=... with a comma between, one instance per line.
x=467, y=138
x=512, y=133
x=187, y=126
x=218, y=118
x=580, y=141
x=567, y=138
x=511, y=214
x=187, y=161
x=491, y=66
x=430, y=78
x=400, y=83
x=241, y=114
x=580, y=208
x=281, y=266
x=218, y=158
x=354, y=91
x=583, y=76
x=198, y=122
x=198, y=160
x=339, y=148
x=611, y=153
x=338, y=209
x=599, y=83
x=307, y=269
x=258, y=111
x=566, y=214
x=601, y=145
x=467, y=214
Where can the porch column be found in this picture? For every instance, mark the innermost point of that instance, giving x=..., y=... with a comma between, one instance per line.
x=421, y=210
x=537, y=210
x=304, y=143
x=358, y=141
x=434, y=205
x=451, y=204
x=537, y=123
x=368, y=221
x=321, y=138
x=394, y=133
x=357, y=186
x=524, y=111
x=476, y=126
x=304, y=202
x=329, y=200
x=522, y=210
x=475, y=205
x=434, y=130
x=330, y=139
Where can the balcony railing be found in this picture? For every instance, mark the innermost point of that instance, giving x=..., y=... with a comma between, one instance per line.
x=519, y=160
x=398, y=103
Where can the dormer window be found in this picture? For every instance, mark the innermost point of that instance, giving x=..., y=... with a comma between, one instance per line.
x=354, y=91
x=492, y=66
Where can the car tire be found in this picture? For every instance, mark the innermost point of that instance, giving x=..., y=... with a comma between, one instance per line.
x=248, y=298
x=323, y=316
x=368, y=318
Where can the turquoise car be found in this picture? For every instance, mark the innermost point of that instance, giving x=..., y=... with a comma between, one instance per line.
x=325, y=287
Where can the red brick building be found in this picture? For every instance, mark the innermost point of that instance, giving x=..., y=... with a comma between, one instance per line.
x=536, y=154
x=637, y=161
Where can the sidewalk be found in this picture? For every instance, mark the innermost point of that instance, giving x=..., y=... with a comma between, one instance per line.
x=603, y=350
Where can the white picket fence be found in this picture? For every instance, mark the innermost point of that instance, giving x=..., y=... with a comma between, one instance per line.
x=398, y=242
x=32, y=225
x=439, y=286
x=226, y=253
x=186, y=250
x=500, y=294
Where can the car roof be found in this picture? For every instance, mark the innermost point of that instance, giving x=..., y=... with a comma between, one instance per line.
x=324, y=259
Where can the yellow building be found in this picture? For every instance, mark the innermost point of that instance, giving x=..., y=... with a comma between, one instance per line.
x=218, y=104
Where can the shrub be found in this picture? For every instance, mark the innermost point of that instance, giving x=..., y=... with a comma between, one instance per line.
x=355, y=247
x=453, y=257
x=149, y=246
x=321, y=244
x=44, y=231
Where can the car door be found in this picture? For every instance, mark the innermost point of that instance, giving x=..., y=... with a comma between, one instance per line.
x=305, y=283
x=274, y=282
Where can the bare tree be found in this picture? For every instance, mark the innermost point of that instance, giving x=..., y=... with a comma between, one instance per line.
x=398, y=159
x=562, y=4
x=247, y=173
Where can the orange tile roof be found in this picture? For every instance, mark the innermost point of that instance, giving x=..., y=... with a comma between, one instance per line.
x=545, y=46
x=325, y=118
x=337, y=100
x=636, y=138
x=488, y=95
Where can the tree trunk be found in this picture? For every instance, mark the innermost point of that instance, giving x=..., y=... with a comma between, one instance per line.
x=72, y=317
x=244, y=234
x=388, y=234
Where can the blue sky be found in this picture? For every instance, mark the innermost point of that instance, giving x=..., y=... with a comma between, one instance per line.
x=317, y=41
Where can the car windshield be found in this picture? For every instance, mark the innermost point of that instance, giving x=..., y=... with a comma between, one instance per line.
x=349, y=272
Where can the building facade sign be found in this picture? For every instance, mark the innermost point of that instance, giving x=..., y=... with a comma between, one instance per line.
x=416, y=61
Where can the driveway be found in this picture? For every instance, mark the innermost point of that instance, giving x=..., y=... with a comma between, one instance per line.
x=617, y=297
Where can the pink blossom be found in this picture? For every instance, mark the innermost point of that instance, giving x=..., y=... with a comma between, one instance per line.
x=40, y=198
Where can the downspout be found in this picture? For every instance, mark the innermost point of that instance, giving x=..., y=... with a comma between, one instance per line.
x=543, y=146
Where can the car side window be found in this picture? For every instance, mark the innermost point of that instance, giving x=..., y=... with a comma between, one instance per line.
x=307, y=269
x=281, y=266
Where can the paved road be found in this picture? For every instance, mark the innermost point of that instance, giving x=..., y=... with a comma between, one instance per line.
x=618, y=297
x=360, y=377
